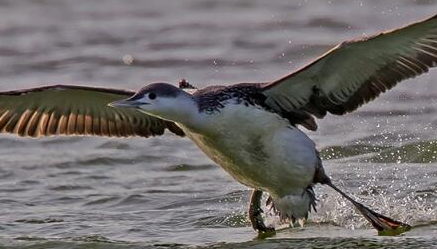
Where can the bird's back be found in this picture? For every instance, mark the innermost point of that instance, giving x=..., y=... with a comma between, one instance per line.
x=213, y=98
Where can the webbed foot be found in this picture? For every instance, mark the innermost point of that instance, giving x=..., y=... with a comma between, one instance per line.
x=385, y=225
x=255, y=214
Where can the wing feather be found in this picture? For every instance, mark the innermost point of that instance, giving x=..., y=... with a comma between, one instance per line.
x=355, y=72
x=75, y=110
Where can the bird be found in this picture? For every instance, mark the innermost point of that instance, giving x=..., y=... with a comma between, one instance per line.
x=254, y=131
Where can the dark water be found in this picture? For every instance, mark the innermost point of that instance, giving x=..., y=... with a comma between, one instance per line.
x=163, y=192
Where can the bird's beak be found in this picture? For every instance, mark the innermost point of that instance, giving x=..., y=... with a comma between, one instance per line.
x=127, y=103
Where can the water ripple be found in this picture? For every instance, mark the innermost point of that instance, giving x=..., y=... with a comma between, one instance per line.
x=187, y=167
x=76, y=192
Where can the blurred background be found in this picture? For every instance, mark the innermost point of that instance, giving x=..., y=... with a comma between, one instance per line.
x=163, y=192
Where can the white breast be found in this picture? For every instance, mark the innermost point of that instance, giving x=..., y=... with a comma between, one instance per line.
x=258, y=148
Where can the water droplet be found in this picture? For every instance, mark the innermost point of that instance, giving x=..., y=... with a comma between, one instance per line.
x=128, y=59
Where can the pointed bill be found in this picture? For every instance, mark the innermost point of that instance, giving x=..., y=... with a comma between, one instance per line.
x=127, y=103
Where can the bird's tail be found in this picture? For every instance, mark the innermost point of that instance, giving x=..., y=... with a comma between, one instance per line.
x=294, y=207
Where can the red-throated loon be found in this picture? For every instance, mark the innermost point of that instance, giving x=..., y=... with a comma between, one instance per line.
x=251, y=129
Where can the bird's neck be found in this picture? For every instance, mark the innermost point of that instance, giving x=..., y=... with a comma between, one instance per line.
x=185, y=112
x=191, y=117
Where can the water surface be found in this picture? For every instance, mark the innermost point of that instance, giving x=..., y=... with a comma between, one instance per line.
x=163, y=192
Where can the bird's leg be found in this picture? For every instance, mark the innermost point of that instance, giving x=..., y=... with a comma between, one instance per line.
x=384, y=224
x=255, y=212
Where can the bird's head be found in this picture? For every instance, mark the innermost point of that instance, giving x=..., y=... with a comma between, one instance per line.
x=161, y=100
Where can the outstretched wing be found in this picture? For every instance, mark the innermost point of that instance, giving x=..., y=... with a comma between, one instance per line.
x=75, y=110
x=356, y=72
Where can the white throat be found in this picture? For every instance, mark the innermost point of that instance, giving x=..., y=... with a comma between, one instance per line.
x=182, y=109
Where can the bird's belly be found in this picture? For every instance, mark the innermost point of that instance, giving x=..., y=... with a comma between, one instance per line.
x=264, y=153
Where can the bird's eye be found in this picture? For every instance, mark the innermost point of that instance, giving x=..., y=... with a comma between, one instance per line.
x=152, y=96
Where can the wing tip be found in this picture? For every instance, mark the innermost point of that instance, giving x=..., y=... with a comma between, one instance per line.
x=66, y=87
